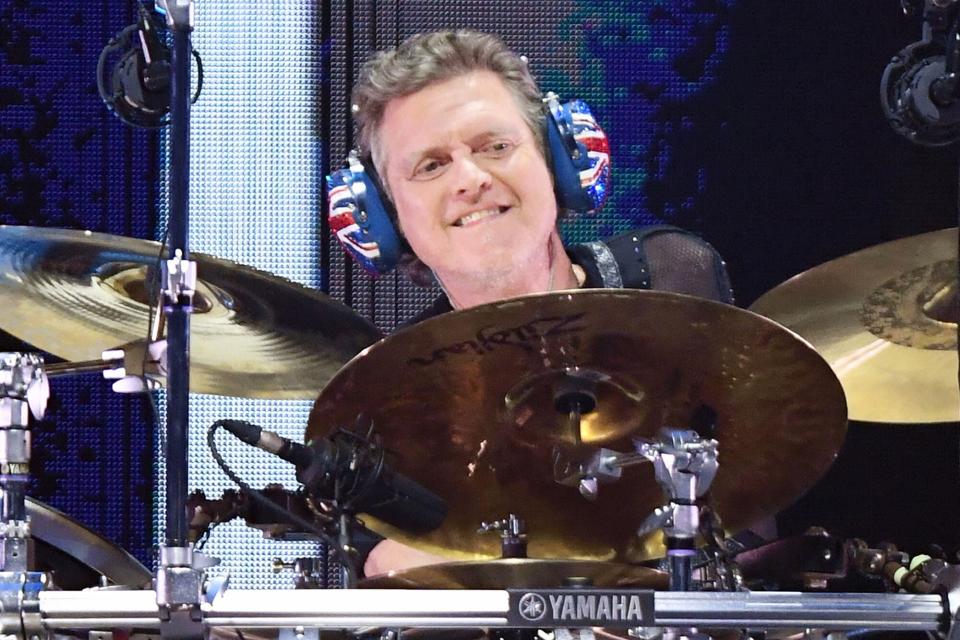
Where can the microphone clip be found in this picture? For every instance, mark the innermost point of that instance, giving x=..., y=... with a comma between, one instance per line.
x=343, y=466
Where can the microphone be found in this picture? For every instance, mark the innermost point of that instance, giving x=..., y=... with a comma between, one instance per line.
x=350, y=469
x=137, y=89
x=920, y=86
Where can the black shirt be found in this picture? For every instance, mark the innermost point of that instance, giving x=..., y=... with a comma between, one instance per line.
x=654, y=257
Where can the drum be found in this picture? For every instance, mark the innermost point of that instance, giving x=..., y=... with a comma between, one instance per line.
x=76, y=557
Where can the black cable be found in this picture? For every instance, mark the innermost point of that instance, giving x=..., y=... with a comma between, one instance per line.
x=205, y=537
x=342, y=554
x=151, y=309
x=196, y=94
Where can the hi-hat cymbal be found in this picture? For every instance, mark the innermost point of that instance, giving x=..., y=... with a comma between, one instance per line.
x=466, y=401
x=885, y=318
x=516, y=573
x=253, y=334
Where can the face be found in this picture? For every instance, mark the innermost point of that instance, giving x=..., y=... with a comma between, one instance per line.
x=473, y=194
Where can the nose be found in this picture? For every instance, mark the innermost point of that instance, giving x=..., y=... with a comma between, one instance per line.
x=471, y=180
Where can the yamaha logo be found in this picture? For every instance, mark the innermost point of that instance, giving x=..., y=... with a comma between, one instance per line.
x=532, y=607
x=593, y=607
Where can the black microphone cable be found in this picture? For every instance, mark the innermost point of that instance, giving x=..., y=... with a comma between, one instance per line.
x=343, y=555
x=153, y=307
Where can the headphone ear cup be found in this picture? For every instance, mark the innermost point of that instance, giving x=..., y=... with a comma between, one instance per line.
x=136, y=92
x=566, y=178
x=362, y=219
x=579, y=155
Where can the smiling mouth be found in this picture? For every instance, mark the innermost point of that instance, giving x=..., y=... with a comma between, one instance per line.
x=476, y=216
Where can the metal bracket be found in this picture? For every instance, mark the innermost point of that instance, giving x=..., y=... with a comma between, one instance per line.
x=179, y=280
x=137, y=366
x=180, y=13
x=513, y=535
x=14, y=544
x=22, y=380
x=20, y=616
x=308, y=573
x=601, y=466
x=685, y=465
x=949, y=577
x=180, y=585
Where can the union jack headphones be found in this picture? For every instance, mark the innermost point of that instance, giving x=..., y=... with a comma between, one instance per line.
x=363, y=220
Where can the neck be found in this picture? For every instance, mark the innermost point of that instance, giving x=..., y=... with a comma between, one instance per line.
x=552, y=271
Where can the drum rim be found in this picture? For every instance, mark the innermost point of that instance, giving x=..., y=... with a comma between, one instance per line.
x=63, y=532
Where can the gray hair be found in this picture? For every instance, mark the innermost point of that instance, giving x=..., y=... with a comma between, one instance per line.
x=425, y=59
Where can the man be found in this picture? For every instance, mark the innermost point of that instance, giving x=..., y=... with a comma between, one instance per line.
x=454, y=125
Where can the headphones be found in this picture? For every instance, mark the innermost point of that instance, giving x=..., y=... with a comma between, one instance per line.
x=363, y=219
x=137, y=88
x=920, y=88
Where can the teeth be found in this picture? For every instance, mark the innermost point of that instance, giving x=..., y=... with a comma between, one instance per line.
x=476, y=215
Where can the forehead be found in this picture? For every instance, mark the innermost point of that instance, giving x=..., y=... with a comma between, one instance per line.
x=448, y=112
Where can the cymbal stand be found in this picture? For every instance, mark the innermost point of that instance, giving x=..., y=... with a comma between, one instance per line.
x=180, y=574
x=685, y=465
x=23, y=391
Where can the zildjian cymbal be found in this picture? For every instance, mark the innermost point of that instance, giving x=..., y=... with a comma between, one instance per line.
x=76, y=294
x=885, y=318
x=526, y=573
x=474, y=404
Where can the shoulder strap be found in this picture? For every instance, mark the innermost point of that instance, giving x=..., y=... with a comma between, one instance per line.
x=624, y=262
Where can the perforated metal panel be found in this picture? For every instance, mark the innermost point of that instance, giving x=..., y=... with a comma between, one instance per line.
x=66, y=162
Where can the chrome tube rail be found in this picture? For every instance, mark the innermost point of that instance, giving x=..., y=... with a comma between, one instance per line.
x=63, y=611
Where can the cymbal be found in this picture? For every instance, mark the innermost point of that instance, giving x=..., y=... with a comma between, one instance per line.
x=253, y=334
x=514, y=573
x=885, y=318
x=465, y=403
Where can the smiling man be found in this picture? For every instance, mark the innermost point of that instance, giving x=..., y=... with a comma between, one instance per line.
x=472, y=191
x=454, y=124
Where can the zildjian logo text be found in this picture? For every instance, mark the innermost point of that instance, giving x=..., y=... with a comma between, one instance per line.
x=526, y=337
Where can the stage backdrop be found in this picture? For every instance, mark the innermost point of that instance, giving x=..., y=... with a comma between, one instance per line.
x=66, y=162
x=753, y=122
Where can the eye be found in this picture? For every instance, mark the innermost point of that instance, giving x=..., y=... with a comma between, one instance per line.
x=428, y=168
x=496, y=149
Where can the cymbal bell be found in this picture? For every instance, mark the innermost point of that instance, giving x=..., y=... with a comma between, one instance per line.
x=470, y=405
x=885, y=318
x=515, y=573
x=76, y=294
